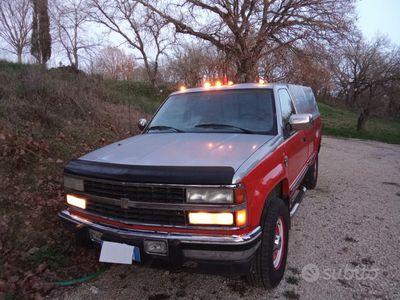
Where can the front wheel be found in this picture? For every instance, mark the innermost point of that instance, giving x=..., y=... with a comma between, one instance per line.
x=269, y=263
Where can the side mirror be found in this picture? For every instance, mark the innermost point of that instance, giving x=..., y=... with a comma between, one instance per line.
x=301, y=121
x=141, y=124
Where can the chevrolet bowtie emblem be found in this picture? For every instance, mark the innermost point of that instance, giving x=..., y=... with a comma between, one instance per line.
x=124, y=202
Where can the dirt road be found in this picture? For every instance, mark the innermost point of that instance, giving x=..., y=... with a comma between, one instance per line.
x=344, y=242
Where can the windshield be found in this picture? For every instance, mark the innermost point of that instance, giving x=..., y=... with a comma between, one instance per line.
x=243, y=111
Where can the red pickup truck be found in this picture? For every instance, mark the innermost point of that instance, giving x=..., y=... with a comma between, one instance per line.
x=212, y=181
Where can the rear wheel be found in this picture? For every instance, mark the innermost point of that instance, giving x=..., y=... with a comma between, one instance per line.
x=269, y=264
x=310, y=180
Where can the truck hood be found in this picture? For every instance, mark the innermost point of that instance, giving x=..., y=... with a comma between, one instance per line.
x=181, y=149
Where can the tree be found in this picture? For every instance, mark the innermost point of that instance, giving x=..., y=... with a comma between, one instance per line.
x=140, y=28
x=113, y=63
x=366, y=74
x=248, y=30
x=192, y=64
x=70, y=18
x=15, y=25
x=41, y=38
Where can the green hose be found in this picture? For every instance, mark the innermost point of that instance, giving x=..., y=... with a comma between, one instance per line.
x=80, y=280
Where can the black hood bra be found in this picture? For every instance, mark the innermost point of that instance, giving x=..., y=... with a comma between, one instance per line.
x=151, y=174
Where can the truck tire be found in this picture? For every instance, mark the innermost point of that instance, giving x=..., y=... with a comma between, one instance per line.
x=310, y=180
x=269, y=263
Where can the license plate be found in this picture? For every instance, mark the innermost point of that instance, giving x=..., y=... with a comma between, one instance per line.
x=118, y=253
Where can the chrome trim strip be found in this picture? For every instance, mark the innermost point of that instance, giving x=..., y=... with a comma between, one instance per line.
x=182, y=237
x=256, y=158
x=296, y=183
x=164, y=206
x=299, y=178
x=186, y=226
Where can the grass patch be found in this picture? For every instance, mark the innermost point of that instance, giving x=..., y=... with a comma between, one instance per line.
x=342, y=123
x=140, y=94
x=54, y=256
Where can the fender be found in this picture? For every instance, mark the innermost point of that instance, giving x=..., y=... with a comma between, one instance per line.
x=261, y=181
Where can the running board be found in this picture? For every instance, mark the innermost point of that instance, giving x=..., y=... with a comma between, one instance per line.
x=297, y=200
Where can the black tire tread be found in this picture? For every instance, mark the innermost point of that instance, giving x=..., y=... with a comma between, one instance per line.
x=310, y=181
x=260, y=273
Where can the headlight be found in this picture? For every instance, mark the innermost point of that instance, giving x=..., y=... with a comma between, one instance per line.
x=238, y=218
x=76, y=201
x=209, y=195
x=204, y=218
x=73, y=183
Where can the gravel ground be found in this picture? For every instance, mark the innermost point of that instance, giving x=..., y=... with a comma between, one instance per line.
x=344, y=242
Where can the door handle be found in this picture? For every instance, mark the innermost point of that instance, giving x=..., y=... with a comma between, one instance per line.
x=304, y=139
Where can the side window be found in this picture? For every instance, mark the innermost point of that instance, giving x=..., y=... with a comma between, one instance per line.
x=287, y=107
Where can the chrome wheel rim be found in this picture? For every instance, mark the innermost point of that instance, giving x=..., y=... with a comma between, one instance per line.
x=279, y=243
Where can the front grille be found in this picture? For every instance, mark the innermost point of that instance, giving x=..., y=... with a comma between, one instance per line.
x=135, y=193
x=154, y=194
x=136, y=215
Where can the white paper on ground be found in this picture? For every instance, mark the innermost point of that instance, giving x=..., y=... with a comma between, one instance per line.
x=116, y=253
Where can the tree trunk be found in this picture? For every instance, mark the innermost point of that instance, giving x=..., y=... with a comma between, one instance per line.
x=19, y=56
x=76, y=60
x=362, y=118
x=246, y=71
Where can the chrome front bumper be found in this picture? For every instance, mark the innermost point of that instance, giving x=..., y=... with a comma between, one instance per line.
x=231, y=248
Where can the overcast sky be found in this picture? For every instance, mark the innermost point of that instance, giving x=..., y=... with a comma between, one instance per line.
x=374, y=17
x=380, y=16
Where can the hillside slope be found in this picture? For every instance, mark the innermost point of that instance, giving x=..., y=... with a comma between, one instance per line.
x=341, y=122
x=47, y=117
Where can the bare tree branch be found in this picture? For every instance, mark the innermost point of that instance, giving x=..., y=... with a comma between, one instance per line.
x=70, y=18
x=142, y=29
x=15, y=25
x=250, y=29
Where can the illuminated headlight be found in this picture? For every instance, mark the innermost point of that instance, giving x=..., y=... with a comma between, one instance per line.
x=209, y=195
x=73, y=183
x=204, y=218
x=76, y=201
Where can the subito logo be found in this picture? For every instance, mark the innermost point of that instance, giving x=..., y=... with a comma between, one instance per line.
x=310, y=273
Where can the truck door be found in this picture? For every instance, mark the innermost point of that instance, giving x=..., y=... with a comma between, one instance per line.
x=295, y=145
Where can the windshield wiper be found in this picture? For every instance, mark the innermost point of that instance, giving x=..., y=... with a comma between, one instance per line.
x=218, y=125
x=164, y=127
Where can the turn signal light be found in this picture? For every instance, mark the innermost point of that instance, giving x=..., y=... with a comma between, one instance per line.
x=240, y=195
x=241, y=217
x=76, y=201
x=203, y=218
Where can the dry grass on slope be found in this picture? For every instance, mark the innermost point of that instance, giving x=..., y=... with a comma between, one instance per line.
x=46, y=118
